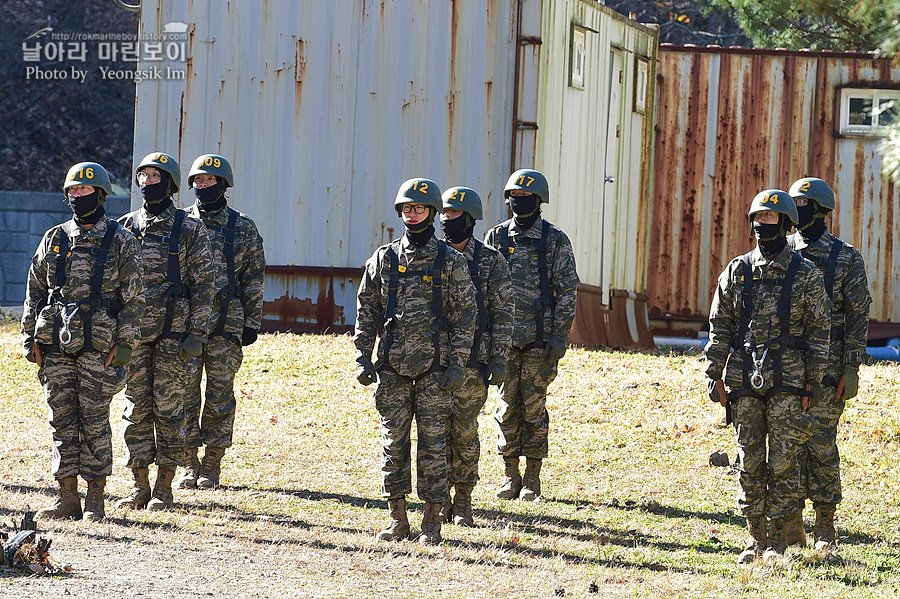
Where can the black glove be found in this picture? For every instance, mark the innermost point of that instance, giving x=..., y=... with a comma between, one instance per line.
x=496, y=371
x=249, y=336
x=554, y=350
x=365, y=371
x=123, y=355
x=452, y=378
x=191, y=346
x=712, y=391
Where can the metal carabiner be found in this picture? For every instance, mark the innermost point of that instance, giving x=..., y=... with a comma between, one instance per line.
x=65, y=335
x=756, y=379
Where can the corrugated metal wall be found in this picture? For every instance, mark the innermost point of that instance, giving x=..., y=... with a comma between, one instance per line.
x=733, y=122
x=324, y=108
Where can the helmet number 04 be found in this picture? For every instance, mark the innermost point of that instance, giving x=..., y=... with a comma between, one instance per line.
x=770, y=199
x=522, y=180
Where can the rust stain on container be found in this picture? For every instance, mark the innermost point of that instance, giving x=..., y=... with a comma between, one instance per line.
x=307, y=314
x=775, y=120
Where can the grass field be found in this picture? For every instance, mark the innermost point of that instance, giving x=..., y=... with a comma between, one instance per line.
x=632, y=508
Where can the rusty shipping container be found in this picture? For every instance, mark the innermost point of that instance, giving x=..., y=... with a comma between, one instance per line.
x=326, y=107
x=732, y=122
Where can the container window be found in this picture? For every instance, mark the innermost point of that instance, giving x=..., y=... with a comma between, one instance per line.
x=868, y=111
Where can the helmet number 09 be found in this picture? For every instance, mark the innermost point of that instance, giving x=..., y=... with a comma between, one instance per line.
x=210, y=161
x=83, y=173
x=522, y=181
x=420, y=186
x=770, y=199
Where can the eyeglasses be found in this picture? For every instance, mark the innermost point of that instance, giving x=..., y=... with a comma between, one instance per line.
x=149, y=178
x=414, y=208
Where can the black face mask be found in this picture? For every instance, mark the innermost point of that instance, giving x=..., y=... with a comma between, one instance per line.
x=84, y=206
x=157, y=192
x=420, y=236
x=526, y=209
x=211, y=194
x=771, y=238
x=812, y=221
x=523, y=205
x=457, y=230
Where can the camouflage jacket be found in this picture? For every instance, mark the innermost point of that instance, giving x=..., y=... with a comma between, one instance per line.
x=191, y=314
x=850, y=300
x=809, y=320
x=123, y=285
x=412, y=329
x=496, y=289
x=245, y=308
x=523, y=269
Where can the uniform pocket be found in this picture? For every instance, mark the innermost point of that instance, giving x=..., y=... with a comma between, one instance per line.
x=103, y=329
x=43, y=328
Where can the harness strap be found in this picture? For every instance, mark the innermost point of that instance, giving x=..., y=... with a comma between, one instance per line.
x=232, y=288
x=828, y=265
x=785, y=339
x=173, y=275
x=437, y=303
x=96, y=298
x=546, y=301
x=481, y=324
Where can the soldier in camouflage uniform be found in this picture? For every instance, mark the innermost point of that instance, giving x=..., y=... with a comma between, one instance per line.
x=418, y=289
x=844, y=272
x=487, y=363
x=768, y=333
x=542, y=268
x=82, y=316
x=237, y=250
x=178, y=275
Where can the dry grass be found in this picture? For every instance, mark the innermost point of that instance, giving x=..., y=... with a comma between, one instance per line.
x=632, y=509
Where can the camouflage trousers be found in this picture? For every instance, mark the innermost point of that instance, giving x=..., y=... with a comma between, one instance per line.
x=463, y=445
x=820, y=461
x=79, y=391
x=770, y=486
x=154, y=405
x=397, y=400
x=213, y=423
x=522, y=419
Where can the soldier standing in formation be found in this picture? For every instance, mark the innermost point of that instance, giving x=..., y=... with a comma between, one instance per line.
x=82, y=317
x=419, y=290
x=768, y=333
x=240, y=263
x=544, y=280
x=487, y=363
x=844, y=273
x=178, y=277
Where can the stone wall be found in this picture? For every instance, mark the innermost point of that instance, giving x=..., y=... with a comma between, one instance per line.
x=24, y=218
